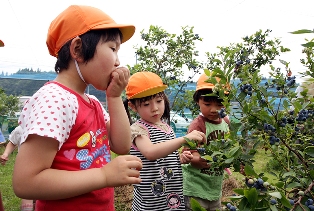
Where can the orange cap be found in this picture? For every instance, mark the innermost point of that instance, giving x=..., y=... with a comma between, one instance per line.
x=1, y=43
x=143, y=84
x=77, y=20
x=202, y=84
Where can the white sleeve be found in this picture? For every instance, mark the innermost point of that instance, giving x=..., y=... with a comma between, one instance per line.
x=15, y=136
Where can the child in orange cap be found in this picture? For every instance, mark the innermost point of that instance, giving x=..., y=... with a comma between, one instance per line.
x=64, y=159
x=199, y=180
x=154, y=142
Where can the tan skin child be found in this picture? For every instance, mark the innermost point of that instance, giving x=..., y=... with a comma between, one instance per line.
x=33, y=179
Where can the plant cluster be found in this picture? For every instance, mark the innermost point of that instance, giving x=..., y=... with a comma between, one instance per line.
x=272, y=117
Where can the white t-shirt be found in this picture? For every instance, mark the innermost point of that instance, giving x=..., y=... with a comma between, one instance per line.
x=15, y=136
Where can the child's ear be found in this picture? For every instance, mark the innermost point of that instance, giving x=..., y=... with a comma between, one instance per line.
x=132, y=106
x=76, y=49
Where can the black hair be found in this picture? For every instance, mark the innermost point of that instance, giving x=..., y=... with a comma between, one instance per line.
x=89, y=42
x=199, y=94
x=137, y=102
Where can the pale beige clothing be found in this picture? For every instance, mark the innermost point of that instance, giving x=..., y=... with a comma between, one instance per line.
x=138, y=129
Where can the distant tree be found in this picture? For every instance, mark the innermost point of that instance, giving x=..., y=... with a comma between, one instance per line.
x=9, y=104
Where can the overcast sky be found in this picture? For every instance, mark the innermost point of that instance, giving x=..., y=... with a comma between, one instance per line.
x=24, y=25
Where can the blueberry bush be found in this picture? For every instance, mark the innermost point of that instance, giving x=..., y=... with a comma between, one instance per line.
x=272, y=117
x=9, y=104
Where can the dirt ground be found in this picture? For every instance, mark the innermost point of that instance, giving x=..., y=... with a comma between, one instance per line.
x=124, y=194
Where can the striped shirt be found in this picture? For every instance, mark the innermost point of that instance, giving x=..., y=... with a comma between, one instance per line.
x=161, y=186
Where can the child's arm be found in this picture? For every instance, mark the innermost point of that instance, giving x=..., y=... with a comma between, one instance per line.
x=33, y=177
x=8, y=150
x=159, y=150
x=119, y=126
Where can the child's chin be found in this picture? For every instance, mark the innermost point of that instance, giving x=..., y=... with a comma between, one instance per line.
x=213, y=118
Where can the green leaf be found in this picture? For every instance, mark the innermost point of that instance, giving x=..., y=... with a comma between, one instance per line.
x=251, y=195
x=273, y=207
x=284, y=201
x=285, y=104
x=302, y=31
x=308, y=45
x=196, y=206
x=217, y=61
x=305, y=104
x=249, y=171
x=289, y=173
x=309, y=150
x=207, y=157
x=229, y=160
x=233, y=151
x=293, y=185
x=312, y=173
x=275, y=194
x=239, y=191
x=280, y=184
x=244, y=205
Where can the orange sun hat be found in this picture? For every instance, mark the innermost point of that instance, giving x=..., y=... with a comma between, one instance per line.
x=77, y=20
x=143, y=84
x=1, y=43
x=202, y=84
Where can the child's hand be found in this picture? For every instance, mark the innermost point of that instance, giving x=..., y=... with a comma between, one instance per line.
x=242, y=169
x=197, y=136
x=186, y=157
x=3, y=159
x=122, y=170
x=119, y=80
x=198, y=162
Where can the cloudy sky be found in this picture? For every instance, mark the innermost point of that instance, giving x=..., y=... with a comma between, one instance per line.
x=24, y=25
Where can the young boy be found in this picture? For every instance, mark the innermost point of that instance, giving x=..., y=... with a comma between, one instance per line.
x=199, y=180
x=64, y=159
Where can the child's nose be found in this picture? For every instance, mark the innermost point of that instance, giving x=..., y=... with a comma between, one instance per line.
x=154, y=107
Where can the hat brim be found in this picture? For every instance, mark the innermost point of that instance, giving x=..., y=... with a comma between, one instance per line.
x=1, y=43
x=126, y=30
x=209, y=87
x=149, y=92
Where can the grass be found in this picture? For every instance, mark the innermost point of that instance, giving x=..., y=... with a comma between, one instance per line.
x=261, y=159
x=12, y=203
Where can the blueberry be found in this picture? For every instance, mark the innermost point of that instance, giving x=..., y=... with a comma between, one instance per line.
x=311, y=207
x=310, y=201
x=273, y=201
x=233, y=208
x=201, y=150
x=229, y=205
x=260, y=181
x=291, y=201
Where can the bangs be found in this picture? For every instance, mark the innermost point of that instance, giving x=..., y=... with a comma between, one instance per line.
x=144, y=99
x=111, y=35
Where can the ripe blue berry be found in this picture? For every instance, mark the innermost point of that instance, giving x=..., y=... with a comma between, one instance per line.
x=273, y=201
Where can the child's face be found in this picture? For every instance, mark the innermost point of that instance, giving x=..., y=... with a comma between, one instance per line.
x=152, y=110
x=210, y=109
x=104, y=62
